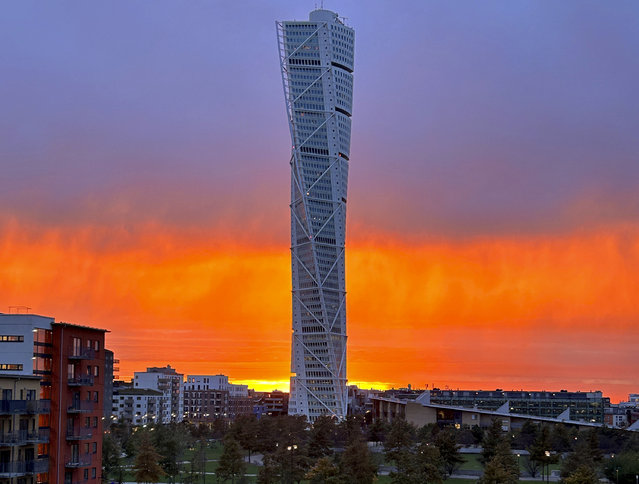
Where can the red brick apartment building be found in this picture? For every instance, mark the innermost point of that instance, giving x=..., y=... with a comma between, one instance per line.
x=69, y=360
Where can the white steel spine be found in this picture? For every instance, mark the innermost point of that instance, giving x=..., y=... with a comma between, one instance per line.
x=316, y=59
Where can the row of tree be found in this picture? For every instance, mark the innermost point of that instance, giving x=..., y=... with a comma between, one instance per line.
x=330, y=452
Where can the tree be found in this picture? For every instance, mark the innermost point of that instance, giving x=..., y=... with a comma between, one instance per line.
x=624, y=465
x=377, y=431
x=147, y=467
x=357, y=465
x=422, y=466
x=170, y=441
x=400, y=439
x=244, y=430
x=292, y=462
x=493, y=441
x=539, y=452
x=269, y=472
x=110, y=455
x=583, y=475
x=478, y=433
x=231, y=464
x=500, y=469
x=448, y=450
x=586, y=454
x=324, y=472
x=321, y=436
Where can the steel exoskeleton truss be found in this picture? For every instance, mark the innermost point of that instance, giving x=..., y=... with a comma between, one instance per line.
x=318, y=215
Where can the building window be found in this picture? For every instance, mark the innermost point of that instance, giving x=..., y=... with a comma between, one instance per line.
x=95, y=422
x=86, y=448
x=87, y=422
x=94, y=447
x=96, y=371
x=71, y=370
x=95, y=396
x=11, y=366
x=96, y=345
x=77, y=347
x=93, y=473
x=4, y=338
x=86, y=474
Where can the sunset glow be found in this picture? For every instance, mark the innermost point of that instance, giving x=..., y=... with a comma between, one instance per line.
x=498, y=312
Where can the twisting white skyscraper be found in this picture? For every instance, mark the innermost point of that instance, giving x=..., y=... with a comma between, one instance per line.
x=317, y=65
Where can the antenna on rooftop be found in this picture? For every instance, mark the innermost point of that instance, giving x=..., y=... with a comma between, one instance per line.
x=19, y=309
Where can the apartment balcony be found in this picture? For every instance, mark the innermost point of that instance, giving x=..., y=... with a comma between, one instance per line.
x=13, y=469
x=24, y=407
x=81, y=406
x=79, y=434
x=38, y=466
x=24, y=437
x=80, y=381
x=21, y=468
x=81, y=460
x=83, y=354
x=40, y=436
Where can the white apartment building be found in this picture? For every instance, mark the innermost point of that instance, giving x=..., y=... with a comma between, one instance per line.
x=215, y=382
x=171, y=384
x=138, y=406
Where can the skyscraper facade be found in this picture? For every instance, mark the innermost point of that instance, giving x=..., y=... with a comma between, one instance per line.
x=316, y=58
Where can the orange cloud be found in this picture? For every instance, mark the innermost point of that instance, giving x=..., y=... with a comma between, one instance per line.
x=547, y=312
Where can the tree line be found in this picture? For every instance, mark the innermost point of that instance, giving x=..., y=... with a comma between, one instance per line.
x=289, y=450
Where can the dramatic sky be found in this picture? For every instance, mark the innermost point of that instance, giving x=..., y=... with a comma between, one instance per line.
x=493, y=218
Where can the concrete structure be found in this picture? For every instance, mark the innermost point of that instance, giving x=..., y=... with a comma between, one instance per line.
x=584, y=406
x=137, y=406
x=271, y=403
x=171, y=384
x=69, y=360
x=420, y=413
x=316, y=59
x=23, y=444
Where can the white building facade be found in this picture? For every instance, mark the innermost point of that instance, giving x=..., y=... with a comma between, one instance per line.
x=215, y=382
x=316, y=59
x=171, y=384
x=138, y=406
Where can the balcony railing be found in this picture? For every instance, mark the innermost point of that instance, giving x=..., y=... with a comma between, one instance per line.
x=82, y=460
x=39, y=466
x=83, y=354
x=24, y=437
x=79, y=434
x=13, y=469
x=81, y=406
x=22, y=468
x=39, y=436
x=24, y=406
x=80, y=381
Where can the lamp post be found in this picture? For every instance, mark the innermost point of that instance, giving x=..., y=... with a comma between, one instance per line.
x=547, y=462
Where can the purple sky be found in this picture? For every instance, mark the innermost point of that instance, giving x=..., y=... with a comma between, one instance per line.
x=471, y=118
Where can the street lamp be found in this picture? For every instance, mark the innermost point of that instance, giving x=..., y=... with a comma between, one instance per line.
x=547, y=454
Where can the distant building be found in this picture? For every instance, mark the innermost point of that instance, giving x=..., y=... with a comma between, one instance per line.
x=137, y=406
x=69, y=360
x=421, y=412
x=583, y=406
x=108, y=385
x=171, y=384
x=211, y=396
x=271, y=403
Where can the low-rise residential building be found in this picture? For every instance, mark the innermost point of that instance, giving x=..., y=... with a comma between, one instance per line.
x=171, y=384
x=137, y=406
